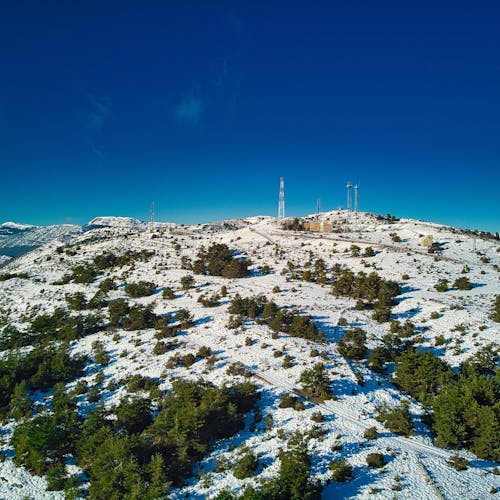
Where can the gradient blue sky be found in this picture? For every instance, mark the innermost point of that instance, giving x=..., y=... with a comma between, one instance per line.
x=201, y=106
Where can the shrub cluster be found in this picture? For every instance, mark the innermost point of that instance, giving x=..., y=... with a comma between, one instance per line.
x=371, y=289
x=107, y=260
x=136, y=454
x=378, y=357
x=316, y=382
x=370, y=433
x=462, y=283
x=140, y=289
x=341, y=470
x=246, y=465
x=41, y=443
x=59, y=325
x=317, y=274
x=464, y=405
x=78, y=302
x=442, y=285
x=41, y=368
x=218, y=260
x=293, y=480
x=87, y=273
x=421, y=374
x=212, y=301
x=133, y=318
x=138, y=382
x=187, y=282
x=101, y=357
x=278, y=319
x=495, y=315
x=168, y=293
x=288, y=400
x=396, y=419
x=407, y=329
x=352, y=344
x=9, y=276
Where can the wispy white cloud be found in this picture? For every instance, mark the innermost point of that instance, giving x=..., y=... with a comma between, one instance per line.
x=97, y=151
x=100, y=109
x=189, y=110
x=221, y=68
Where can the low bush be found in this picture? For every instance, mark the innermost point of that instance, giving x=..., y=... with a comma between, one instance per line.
x=442, y=285
x=246, y=465
x=458, y=463
x=160, y=348
x=140, y=289
x=397, y=420
x=462, y=283
x=341, y=470
x=370, y=433
x=316, y=382
x=168, y=293
x=352, y=344
x=375, y=460
x=107, y=284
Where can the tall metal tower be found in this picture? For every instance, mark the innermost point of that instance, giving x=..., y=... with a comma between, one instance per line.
x=356, y=199
x=318, y=205
x=152, y=217
x=349, y=187
x=281, y=206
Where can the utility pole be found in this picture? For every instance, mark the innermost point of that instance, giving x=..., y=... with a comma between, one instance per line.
x=356, y=201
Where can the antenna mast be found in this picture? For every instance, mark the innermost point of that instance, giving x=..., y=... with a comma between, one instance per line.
x=152, y=216
x=318, y=205
x=349, y=187
x=281, y=206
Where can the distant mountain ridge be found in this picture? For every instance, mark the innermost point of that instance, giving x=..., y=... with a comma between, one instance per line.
x=17, y=239
x=113, y=221
x=15, y=226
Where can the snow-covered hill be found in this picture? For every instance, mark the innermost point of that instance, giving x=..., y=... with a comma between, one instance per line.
x=415, y=467
x=16, y=239
x=110, y=221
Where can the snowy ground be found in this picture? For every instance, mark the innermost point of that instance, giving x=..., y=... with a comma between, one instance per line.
x=414, y=463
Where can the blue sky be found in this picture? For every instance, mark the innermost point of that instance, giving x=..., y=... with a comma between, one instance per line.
x=201, y=108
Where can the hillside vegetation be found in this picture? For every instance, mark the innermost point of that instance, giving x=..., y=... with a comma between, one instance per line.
x=249, y=360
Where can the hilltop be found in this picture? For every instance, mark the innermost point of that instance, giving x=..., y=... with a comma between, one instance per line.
x=308, y=331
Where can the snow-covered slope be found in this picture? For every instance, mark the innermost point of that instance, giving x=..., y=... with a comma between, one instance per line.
x=16, y=239
x=414, y=464
x=15, y=225
x=111, y=221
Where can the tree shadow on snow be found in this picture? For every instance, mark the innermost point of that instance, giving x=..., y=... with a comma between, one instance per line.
x=408, y=289
x=477, y=285
x=345, y=387
x=363, y=477
x=203, y=321
x=410, y=313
